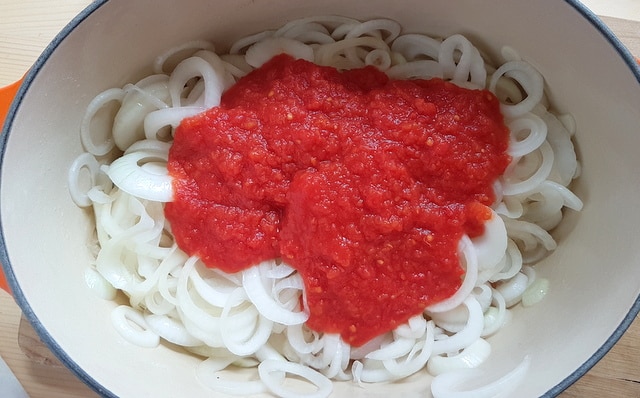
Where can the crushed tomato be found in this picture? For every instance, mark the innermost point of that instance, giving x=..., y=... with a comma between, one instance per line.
x=363, y=184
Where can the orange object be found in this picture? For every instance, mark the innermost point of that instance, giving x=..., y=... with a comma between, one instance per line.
x=4, y=285
x=6, y=97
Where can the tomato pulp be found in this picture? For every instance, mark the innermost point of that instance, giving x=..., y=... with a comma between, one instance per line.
x=363, y=184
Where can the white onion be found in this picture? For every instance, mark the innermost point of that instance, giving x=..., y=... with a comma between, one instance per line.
x=129, y=173
x=471, y=356
x=150, y=94
x=535, y=292
x=263, y=51
x=270, y=369
x=86, y=161
x=468, y=68
x=414, y=328
x=471, y=275
x=414, y=46
x=374, y=27
x=302, y=345
x=212, y=75
x=513, y=289
x=466, y=336
x=253, y=285
x=496, y=316
x=397, y=348
x=519, y=187
x=132, y=326
x=492, y=244
x=86, y=133
x=208, y=372
x=420, y=69
x=530, y=80
x=327, y=54
x=171, y=330
x=98, y=284
x=537, y=134
x=416, y=359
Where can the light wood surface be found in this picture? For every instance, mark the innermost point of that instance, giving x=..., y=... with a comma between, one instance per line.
x=27, y=26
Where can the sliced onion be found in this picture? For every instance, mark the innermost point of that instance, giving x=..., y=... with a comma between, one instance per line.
x=420, y=69
x=395, y=349
x=266, y=304
x=374, y=28
x=86, y=135
x=159, y=66
x=414, y=46
x=141, y=99
x=249, y=40
x=381, y=59
x=369, y=371
x=208, y=374
x=496, y=316
x=466, y=336
x=156, y=120
x=132, y=327
x=216, y=291
x=171, y=330
x=571, y=200
x=213, y=76
x=86, y=161
x=541, y=174
x=245, y=331
x=326, y=54
x=512, y=263
x=297, y=340
x=535, y=292
x=537, y=134
x=136, y=174
x=470, y=357
x=468, y=68
x=268, y=352
x=513, y=289
x=492, y=244
x=529, y=79
x=416, y=359
x=263, y=51
x=99, y=285
x=271, y=370
x=415, y=328
x=471, y=276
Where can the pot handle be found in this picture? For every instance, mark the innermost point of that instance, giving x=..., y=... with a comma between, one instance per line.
x=6, y=97
x=7, y=94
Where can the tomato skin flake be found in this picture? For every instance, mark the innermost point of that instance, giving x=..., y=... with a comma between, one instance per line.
x=365, y=185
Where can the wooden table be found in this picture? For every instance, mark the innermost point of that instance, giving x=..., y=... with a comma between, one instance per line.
x=27, y=26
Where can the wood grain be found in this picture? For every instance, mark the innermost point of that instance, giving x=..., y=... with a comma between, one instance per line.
x=39, y=378
x=627, y=31
x=26, y=26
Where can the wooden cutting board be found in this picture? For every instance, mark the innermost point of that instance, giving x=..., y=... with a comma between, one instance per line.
x=616, y=375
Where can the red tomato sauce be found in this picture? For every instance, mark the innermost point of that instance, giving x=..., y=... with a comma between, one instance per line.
x=363, y=184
